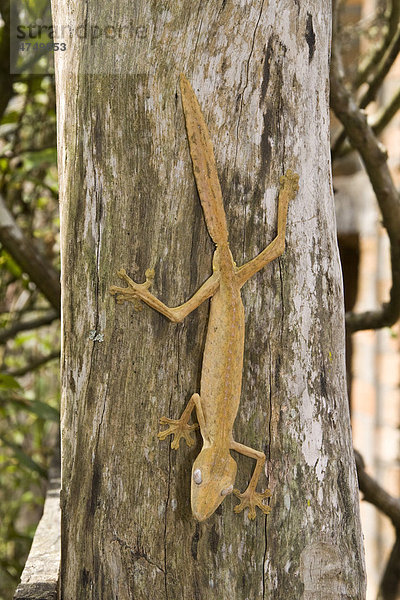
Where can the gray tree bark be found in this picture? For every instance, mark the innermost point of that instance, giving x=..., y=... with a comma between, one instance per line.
x=128, y=199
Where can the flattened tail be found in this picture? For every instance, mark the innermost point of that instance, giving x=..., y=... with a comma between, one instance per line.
x=204, y=167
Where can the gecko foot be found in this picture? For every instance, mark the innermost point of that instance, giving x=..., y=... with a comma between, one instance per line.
x=250, y=499
x=131, y=293
x=178, y=429
x=290, y=182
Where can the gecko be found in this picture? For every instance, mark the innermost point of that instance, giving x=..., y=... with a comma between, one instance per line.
x=214, y=469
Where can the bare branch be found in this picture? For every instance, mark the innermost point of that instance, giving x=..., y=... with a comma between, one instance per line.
x=375, y=494
x=383, y=69
x=12, y=331
x=376, y=56
x=386, y=114
x=381, y=120
x=373, y=87
x=362, y=138
x=35, y=364
x=390, y=582
x=29, y=259
x=10, y=154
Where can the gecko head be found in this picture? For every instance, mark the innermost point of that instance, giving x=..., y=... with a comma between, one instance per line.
x=213, y=476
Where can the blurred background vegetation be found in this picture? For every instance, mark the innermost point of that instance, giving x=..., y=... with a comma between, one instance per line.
x=29, y=256
x=29, y=311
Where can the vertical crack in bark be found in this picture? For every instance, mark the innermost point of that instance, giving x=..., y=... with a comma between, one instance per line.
x=102, y=414
x=165, y=521
x=97, y=280
x=99, y=215
x=244, y=236
x=169, y=471
x=198, y=33
x=96, y=319
x=92, y=354
x=240, y=116
x=268, y=454
x=247, y=81
x=264, y=557
x=179, y=331
x=270, y=409
x=98, y=252
x=282, y=302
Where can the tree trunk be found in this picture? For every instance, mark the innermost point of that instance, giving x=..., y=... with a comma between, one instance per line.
x=128, y=199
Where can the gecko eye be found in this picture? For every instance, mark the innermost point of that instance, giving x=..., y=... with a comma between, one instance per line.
x=197, y=476
x=227, y=490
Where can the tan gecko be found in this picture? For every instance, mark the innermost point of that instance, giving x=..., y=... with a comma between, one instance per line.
x=214, y=470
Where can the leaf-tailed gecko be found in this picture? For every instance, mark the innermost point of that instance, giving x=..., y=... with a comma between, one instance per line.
x=214, y=470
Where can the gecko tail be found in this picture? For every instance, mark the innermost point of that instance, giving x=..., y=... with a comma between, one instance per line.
x=204, y=167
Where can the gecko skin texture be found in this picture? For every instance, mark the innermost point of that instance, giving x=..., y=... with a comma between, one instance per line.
x=214, y=470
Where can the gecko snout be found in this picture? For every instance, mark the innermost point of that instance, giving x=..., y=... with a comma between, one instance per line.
x=213, y=477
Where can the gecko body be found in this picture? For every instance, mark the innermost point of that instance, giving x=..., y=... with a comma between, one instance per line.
x=214, y=470
x=220, y=387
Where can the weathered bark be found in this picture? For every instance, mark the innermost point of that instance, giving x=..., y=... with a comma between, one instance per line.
x=260, y=71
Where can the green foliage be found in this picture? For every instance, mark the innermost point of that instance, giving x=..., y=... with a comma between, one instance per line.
x=22, y=458
x=28, y=431
x=29, y=404
x=8, y=382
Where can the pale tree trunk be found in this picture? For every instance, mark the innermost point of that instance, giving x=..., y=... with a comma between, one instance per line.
x=128, y=199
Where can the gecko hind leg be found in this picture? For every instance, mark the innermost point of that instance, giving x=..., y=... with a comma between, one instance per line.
x=250, y=498
x=180, y=428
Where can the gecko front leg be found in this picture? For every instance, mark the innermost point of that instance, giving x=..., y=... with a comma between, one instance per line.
x=180, y=427
x=140, y=291
x=250, y=498
x=134, y=290
x=289, y=185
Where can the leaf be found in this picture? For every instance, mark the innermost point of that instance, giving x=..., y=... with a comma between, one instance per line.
x=36, y=8
x=39, y=158
x=23, y=458
x=10, y=117
x=21, y=338
x=8, y=382
x=42, y=202
x=3, y=165
x=40, y=409
x=43, y=410
x=10, y=264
